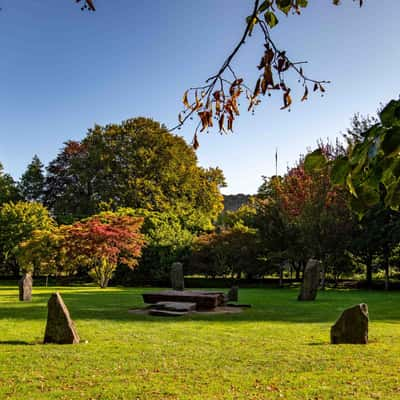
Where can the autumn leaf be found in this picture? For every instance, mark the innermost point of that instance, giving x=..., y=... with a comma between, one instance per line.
x=90, y=5
x=287, y=100
x=195, y=142
x=305, y=95
x=221, y=123
x=185, y=99
x=268, y=76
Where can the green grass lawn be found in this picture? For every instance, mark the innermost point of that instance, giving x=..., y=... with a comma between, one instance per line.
x=277, y=349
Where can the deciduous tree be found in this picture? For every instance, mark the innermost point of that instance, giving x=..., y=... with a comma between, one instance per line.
x=101, y=242
x=136, y=164
x=18, y=222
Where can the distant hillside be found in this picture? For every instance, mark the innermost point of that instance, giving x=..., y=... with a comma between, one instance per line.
x=232, y=202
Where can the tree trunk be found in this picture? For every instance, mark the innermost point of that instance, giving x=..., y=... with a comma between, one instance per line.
x=386, y=266
x=297, y=271
x=387, y=274
x=369, y=271
x=323, y=277
x=280, y=275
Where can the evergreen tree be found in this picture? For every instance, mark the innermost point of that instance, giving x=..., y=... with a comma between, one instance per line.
x=31, y=184
x=8, y=188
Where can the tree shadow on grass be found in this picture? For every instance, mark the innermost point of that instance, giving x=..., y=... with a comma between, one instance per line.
x=271, y=305
x=15, y=343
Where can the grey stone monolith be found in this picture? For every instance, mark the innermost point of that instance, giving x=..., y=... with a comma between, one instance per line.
x=309, y=287
x=25, y=287
x=60, y=328
x=233, y=293
x=177, y=279
x=352, y=326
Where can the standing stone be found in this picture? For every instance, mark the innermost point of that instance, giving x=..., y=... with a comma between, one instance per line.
x=60, y=328
x=177, y=280
x=352, y=326
x=233, y=294
x=311, y=280
x=25, y=287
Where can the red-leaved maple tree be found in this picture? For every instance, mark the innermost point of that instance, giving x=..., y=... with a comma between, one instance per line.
x=102, y=242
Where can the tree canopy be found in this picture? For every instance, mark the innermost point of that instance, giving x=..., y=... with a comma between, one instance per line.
x=18, y=222
x=101, y=242
x=136, y=164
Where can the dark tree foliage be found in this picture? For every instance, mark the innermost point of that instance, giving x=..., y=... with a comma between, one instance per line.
x=231, y=252
x=31, y=184
x=167, y=241
x=8, y=188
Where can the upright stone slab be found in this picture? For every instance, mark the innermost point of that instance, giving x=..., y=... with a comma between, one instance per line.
x=60, y=328
x=25, y=287
x=311, y=280
x=177, y=280
x=352, y=326
x=233, y=294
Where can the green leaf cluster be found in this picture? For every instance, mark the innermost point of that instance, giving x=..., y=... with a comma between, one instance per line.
x=371, y=168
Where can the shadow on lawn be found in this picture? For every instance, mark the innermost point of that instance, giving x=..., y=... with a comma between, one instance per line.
x=15, y=343
x=275, y=305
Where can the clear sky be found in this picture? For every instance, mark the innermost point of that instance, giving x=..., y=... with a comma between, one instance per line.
x=62, y=70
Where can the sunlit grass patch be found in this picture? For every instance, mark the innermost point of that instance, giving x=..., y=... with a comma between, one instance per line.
x=277, y=349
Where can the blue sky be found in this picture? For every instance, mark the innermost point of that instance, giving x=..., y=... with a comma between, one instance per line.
x=62, y=70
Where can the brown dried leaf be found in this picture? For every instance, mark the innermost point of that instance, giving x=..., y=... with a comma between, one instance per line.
x=185, y=99
x=269, y=56
x=305, y=95
x=263, y=86
x=235, y=106
x=203, y=119
x=221, y=123
x=287, y=100
x=210, y=118
x=90, y=5
x=230, y=124
x=257, y=88
x=269, y=80
x=195, y=142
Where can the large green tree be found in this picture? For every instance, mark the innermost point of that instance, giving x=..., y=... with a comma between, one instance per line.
x=137, y=164
x=303, y=214
x=18, y=222
x=167, y=240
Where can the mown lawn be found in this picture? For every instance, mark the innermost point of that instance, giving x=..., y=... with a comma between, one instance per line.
x=278, y=349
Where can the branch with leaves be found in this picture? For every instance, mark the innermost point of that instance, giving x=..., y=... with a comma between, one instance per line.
x=218, y=100
x=370, y=170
